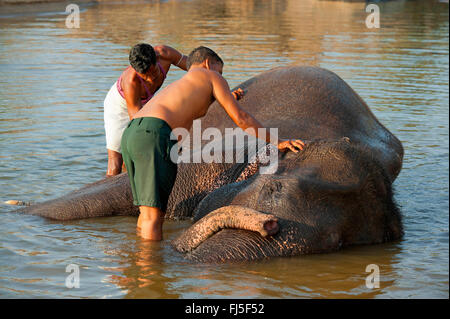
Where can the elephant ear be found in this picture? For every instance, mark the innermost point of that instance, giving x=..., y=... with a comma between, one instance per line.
x=338, y=167
x=310, y=179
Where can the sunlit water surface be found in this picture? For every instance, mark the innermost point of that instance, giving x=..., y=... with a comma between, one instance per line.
x=52, y=84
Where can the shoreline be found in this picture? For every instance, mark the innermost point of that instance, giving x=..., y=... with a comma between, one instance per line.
x=14, y=8
x=33, y=2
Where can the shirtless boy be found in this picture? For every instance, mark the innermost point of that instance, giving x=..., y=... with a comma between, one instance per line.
x=146, y=141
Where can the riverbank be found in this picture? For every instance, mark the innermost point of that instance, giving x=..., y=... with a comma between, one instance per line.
x=29, y=7
x=34, y=2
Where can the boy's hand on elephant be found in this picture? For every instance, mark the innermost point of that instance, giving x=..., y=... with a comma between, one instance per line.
x=293, y=145
x=238, y=94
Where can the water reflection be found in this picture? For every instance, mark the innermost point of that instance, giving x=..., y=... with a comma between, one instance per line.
x=339, y=275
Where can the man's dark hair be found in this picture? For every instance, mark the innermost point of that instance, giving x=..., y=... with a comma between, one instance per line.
x=200, y=54
x=142, y=57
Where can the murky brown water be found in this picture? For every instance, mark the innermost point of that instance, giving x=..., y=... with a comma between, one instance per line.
x=52, y=84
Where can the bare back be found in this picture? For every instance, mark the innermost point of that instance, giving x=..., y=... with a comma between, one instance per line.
x=189, y=98
x=183, y=101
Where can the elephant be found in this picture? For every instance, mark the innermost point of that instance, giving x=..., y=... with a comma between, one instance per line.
x=335, y=193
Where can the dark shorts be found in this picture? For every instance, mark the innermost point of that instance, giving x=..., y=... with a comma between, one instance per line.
x=146, y=146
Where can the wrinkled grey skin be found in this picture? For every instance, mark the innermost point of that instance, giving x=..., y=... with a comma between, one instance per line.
x=335, y=193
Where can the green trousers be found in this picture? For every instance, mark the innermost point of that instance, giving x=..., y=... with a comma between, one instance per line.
x=146, y=148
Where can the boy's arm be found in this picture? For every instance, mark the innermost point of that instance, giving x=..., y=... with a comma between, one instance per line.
x=174, y=56
x=244, y=120
x=132, y=98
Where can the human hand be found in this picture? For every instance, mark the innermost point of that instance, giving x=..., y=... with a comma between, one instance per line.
x=238, y=94
x=293, y=145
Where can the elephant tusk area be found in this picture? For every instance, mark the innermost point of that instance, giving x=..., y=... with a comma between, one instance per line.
x=232, y=216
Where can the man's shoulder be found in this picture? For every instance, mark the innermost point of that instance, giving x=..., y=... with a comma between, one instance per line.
x=129, y=79
x=209, y=73
x=199, y=78
x=202, y=72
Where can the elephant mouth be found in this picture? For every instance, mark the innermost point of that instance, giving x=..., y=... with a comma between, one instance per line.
x=271, y=227
x=232, y=216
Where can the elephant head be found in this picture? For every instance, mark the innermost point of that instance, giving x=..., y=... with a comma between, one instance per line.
x=331, y=195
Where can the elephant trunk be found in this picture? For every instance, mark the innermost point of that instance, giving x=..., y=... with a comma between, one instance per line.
x=232, y=216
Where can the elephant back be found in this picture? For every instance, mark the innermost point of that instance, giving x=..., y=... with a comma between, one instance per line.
x=312, y=103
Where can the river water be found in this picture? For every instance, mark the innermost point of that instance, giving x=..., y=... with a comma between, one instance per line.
x=52, y=84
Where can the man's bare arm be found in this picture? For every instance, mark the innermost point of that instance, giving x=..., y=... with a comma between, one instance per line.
x=132, y=97
x=243, y=119
x=221, y=92
x=174, y=56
